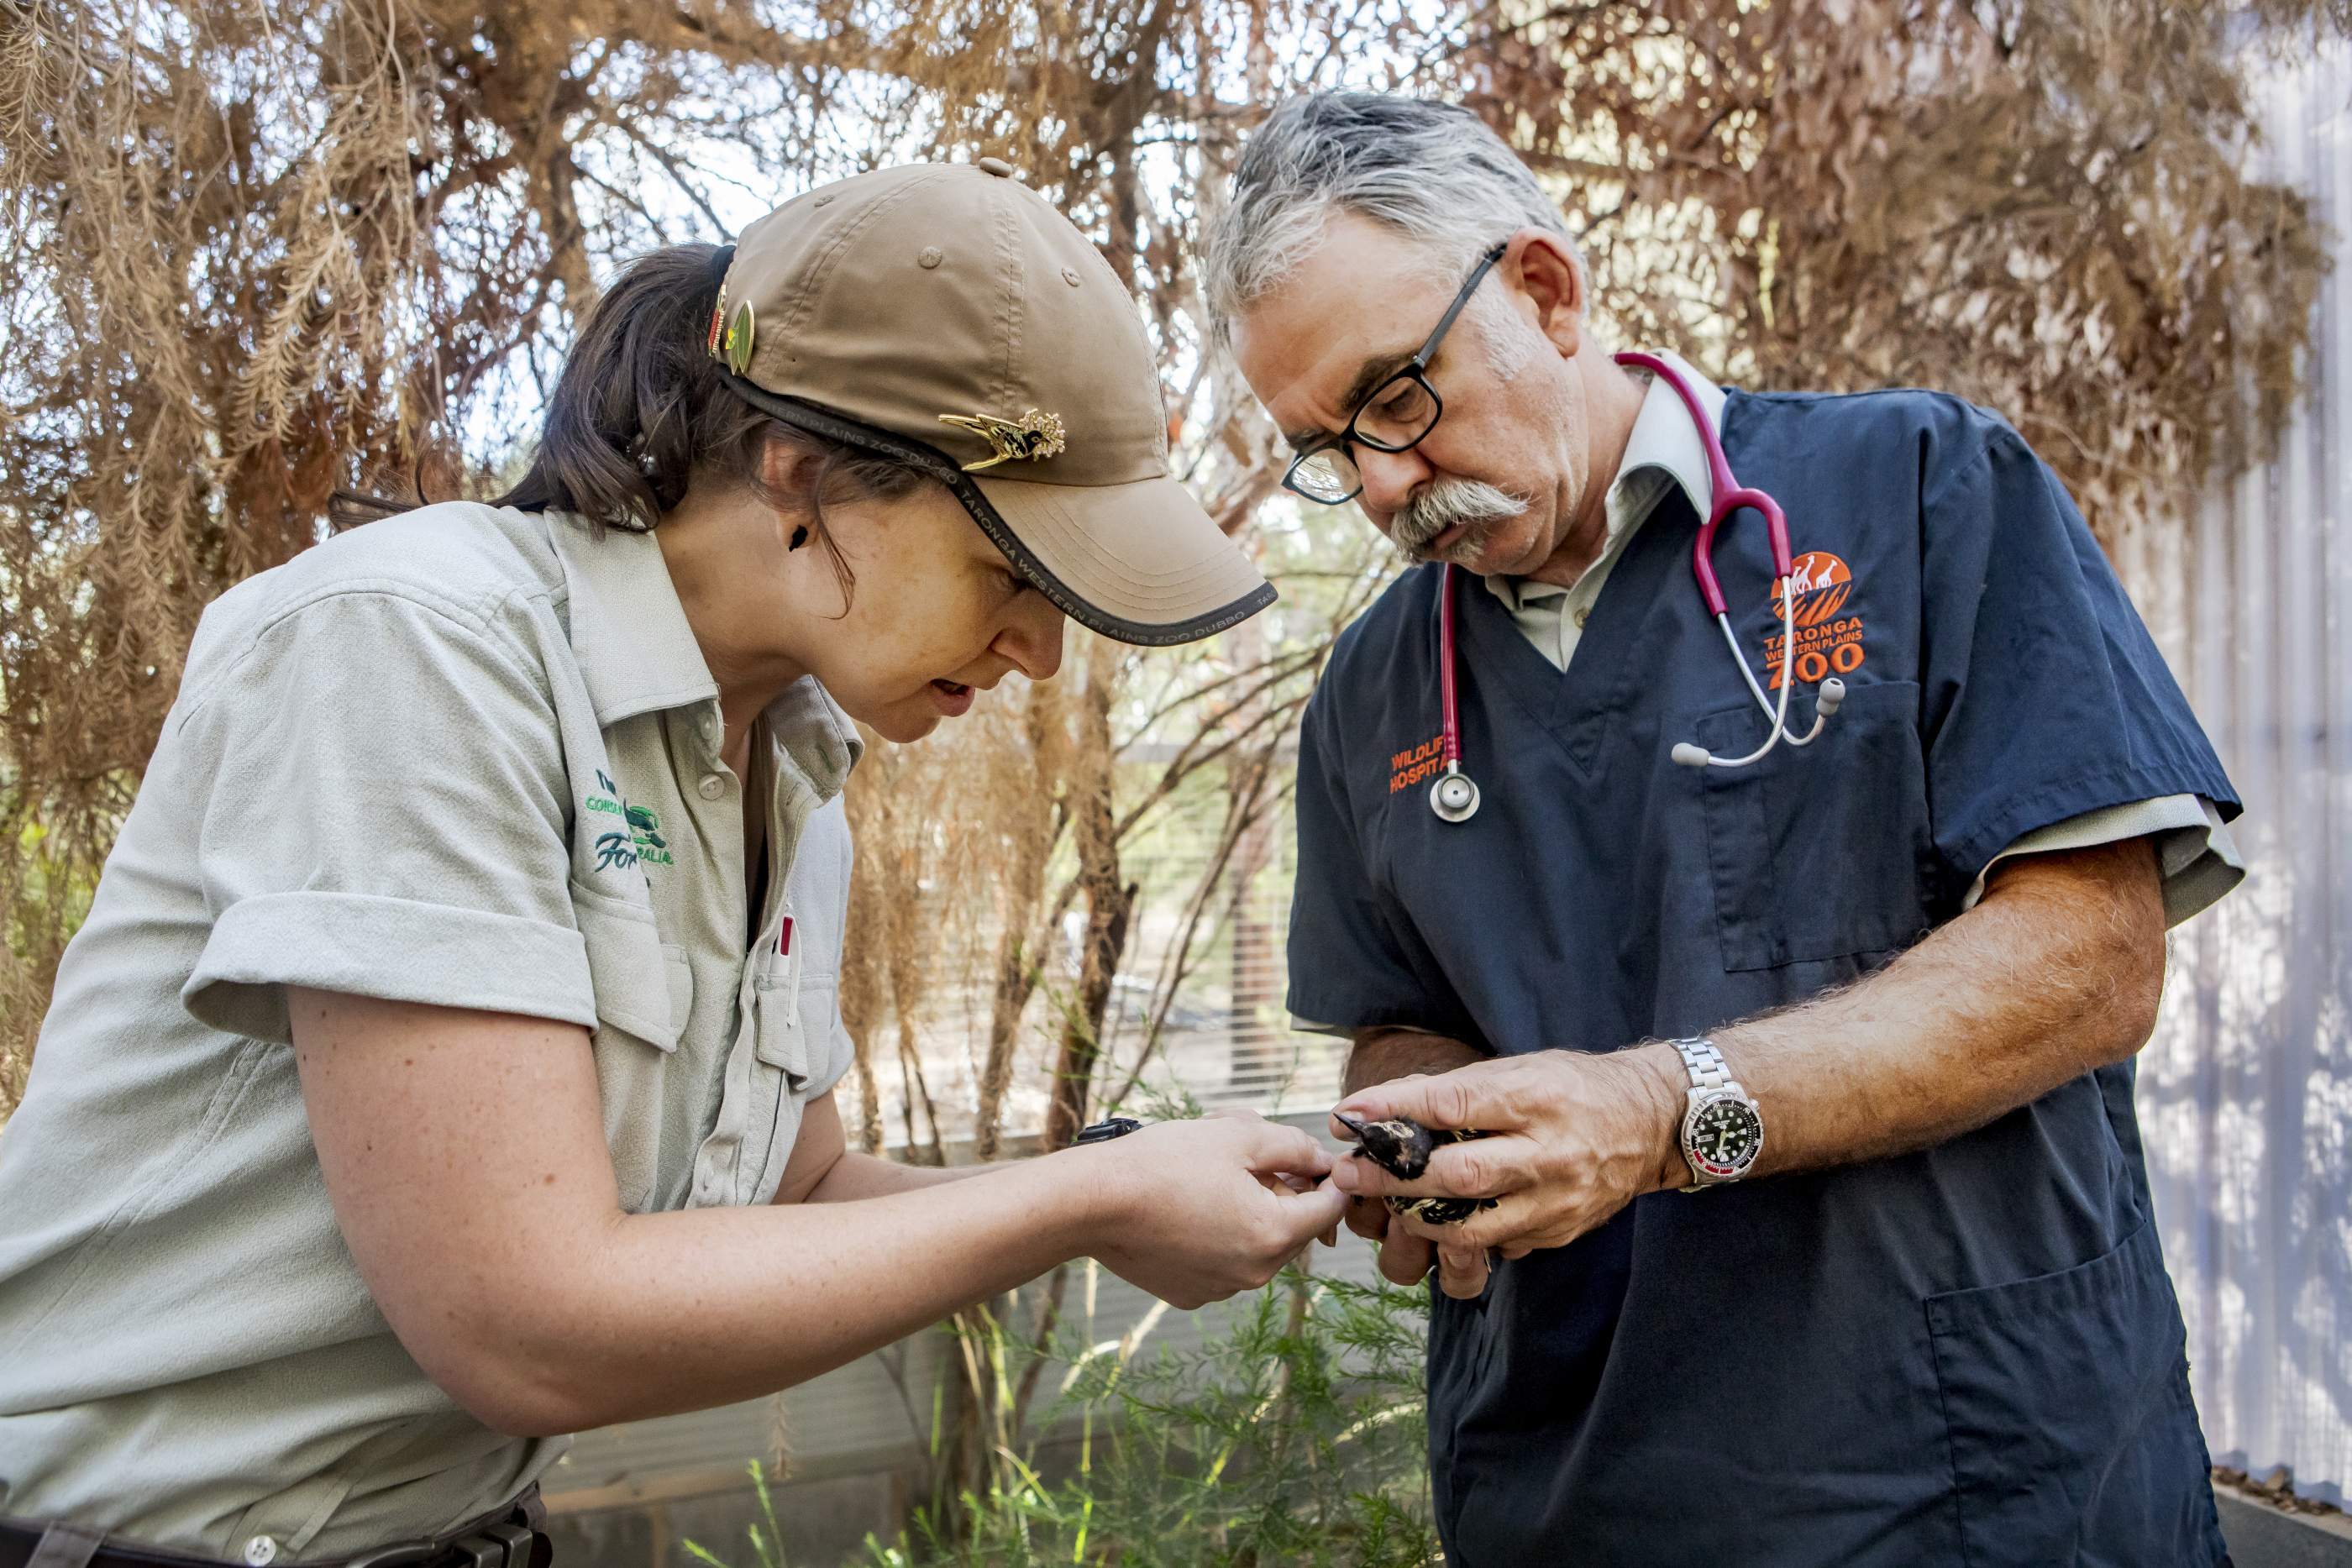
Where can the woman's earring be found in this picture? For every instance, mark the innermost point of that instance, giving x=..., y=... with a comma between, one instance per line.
x=799, y=537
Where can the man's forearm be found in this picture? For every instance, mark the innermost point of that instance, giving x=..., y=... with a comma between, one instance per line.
x=2055, y=972
x=1382, y=1054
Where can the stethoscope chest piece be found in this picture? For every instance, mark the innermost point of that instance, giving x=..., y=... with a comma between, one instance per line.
x=1454, y=797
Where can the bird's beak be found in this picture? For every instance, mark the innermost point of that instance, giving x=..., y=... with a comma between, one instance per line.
x=1353, y=1124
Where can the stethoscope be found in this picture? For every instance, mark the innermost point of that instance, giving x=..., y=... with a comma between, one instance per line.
x=1455, y=797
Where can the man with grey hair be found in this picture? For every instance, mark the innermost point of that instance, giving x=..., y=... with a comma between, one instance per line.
x=1667, y=857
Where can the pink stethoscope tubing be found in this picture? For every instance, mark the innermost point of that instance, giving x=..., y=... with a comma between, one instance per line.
x=1455, y=796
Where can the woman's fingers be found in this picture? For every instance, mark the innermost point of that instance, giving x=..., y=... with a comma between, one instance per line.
x=1270, y=1146
x=1299, y=1218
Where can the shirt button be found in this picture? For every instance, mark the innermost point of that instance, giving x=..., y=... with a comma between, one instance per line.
x=711, y=787
x=260, y=1551
x=709, y=725
x=1580, y=615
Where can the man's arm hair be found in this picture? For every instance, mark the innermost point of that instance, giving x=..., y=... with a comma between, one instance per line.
x=2056, y=972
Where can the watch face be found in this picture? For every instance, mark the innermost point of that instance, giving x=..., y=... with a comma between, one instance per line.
x=1724, y=1136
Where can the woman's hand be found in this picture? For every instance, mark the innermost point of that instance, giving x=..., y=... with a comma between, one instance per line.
x=1202, y=1209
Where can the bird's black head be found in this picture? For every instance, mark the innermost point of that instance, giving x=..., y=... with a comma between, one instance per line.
x=1398, y=1144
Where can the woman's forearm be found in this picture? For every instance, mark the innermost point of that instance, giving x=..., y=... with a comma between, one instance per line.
x=859, y=1175
x=823, y=1170
x=498, y=1249
x=666, y=1312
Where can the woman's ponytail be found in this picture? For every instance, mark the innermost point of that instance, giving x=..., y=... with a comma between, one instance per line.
x=634, y=403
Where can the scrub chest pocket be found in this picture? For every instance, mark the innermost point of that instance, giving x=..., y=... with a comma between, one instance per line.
x=1825, y=852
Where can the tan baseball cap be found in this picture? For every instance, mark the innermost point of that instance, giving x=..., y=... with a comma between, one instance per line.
x=947, y=315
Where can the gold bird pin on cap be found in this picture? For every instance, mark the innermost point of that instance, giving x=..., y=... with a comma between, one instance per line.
x=1032, y=435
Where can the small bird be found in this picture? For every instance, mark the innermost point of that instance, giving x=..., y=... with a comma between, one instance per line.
x=1402, y=1146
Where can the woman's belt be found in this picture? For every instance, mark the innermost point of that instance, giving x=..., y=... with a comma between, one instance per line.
x=510, y=1538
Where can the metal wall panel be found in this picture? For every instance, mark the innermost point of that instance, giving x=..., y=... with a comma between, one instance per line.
x=2246, y=1091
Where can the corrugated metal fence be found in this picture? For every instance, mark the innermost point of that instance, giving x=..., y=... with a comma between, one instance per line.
x=2246, y=1092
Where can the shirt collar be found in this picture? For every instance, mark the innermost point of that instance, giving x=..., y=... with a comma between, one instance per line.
x=629, y=632
x=1666, y=438
x=1663, y=442
x=814, y=731
x=637, y=655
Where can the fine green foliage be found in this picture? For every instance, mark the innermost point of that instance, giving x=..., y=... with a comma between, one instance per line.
x=767, y=1543
x=1292, y=1433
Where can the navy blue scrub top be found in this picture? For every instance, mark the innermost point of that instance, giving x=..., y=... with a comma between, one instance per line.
x=1970, y=1354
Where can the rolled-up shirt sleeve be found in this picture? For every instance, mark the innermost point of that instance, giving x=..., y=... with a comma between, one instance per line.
x=2044, y=699
x=2196, y=856
x=385, y=813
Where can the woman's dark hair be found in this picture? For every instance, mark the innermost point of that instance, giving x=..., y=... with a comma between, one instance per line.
x=640, y=407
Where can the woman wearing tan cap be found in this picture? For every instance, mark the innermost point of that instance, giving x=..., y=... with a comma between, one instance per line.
x=446, y=1063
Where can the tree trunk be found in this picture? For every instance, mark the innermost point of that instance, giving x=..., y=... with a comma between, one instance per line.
x=1032, y=832
x=1110, y=902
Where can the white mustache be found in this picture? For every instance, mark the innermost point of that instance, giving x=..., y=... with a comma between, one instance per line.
x=1449, y=503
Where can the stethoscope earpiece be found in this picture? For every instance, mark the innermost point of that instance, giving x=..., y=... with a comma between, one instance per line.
x=1830, y=698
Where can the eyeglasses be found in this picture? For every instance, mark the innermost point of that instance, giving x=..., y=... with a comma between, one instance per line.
x=1397, y=417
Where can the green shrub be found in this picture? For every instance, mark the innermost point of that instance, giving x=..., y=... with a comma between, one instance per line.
x=1293, y=1435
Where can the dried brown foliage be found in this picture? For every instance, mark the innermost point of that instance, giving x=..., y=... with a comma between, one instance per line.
x=263, y=248
x=2035, y=203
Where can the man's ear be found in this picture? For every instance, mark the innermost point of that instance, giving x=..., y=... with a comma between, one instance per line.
x=1538, y=265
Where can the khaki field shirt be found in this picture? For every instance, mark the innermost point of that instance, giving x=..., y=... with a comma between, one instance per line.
x=468, y=757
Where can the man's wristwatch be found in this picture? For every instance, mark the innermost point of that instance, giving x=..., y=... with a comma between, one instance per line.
x=1722, y=1130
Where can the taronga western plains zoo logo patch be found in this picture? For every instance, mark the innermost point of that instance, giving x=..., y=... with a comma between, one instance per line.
x=638, y=842
x=1828, y=644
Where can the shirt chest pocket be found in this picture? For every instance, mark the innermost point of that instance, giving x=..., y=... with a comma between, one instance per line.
x=795, y=1024
x=796, y=1047
x=1821, y=852
x=645, y=991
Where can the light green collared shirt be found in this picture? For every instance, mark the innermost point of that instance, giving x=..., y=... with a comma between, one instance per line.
x=466, y=757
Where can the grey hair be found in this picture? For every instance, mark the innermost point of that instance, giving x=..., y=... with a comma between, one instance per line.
x=1431, y=172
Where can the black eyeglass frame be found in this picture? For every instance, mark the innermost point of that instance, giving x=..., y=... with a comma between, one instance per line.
x=1414, y=369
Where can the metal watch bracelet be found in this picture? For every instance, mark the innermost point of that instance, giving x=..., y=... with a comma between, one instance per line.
x=1722, y=1131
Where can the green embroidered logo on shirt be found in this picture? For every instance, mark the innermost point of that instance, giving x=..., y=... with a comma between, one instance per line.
x=640, y=842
